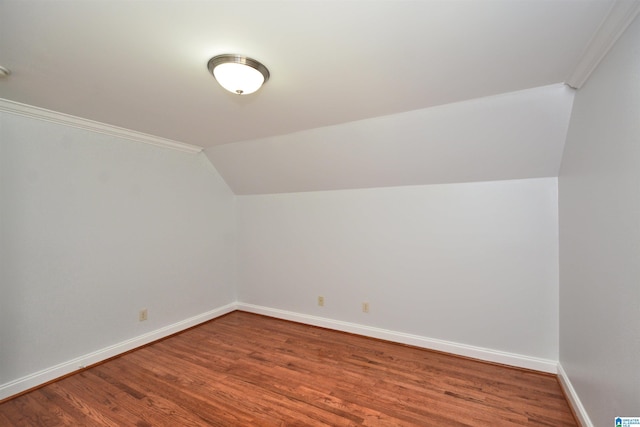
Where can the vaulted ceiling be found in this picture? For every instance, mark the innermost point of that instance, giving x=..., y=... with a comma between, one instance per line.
x=352, y=82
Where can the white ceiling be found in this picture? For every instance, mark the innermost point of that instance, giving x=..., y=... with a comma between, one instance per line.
x=141, y=65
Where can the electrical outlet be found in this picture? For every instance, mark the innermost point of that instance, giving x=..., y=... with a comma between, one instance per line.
x=321, y=301
x=142, y=315
x=365, y=307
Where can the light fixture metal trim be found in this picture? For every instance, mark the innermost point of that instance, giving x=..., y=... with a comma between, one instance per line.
x=241, y=60
x=4, y=72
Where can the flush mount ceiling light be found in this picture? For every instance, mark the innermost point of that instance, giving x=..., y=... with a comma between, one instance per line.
x=238, y=74
x=4, y=72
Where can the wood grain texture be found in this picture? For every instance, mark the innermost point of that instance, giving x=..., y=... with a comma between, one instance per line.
x=248, y=370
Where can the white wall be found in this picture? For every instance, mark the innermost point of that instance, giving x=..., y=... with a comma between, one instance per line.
x=599, y=202
x=468, y=263
x=94, y=228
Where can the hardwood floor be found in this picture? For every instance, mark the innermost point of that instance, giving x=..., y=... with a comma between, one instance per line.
x=248, y=370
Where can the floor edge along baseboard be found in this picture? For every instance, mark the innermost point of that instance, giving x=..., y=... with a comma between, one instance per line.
x=485, y=354
x=28, y=382
x=573, y=398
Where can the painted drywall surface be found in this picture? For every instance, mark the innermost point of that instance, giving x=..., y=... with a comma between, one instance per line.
x=510, y=136
x=469, y=263
x=599, y=207
x=93, y=229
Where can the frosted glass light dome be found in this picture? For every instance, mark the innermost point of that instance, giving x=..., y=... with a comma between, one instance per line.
x=238, y=74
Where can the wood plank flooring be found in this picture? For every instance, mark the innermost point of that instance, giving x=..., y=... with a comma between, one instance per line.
x=248, y=370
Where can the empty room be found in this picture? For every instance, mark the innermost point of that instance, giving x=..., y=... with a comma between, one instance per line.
x=339, y=213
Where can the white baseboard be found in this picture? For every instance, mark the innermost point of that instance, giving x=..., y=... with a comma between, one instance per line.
x=33, y=380
x=573, y=398
x=545, y=365
x=511, y=359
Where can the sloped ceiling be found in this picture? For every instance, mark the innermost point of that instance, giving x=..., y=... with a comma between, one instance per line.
x=341, y=73
x=507, y=136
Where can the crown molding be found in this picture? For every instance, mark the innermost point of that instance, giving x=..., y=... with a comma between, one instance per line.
x=30, y=111
x=619, y=17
